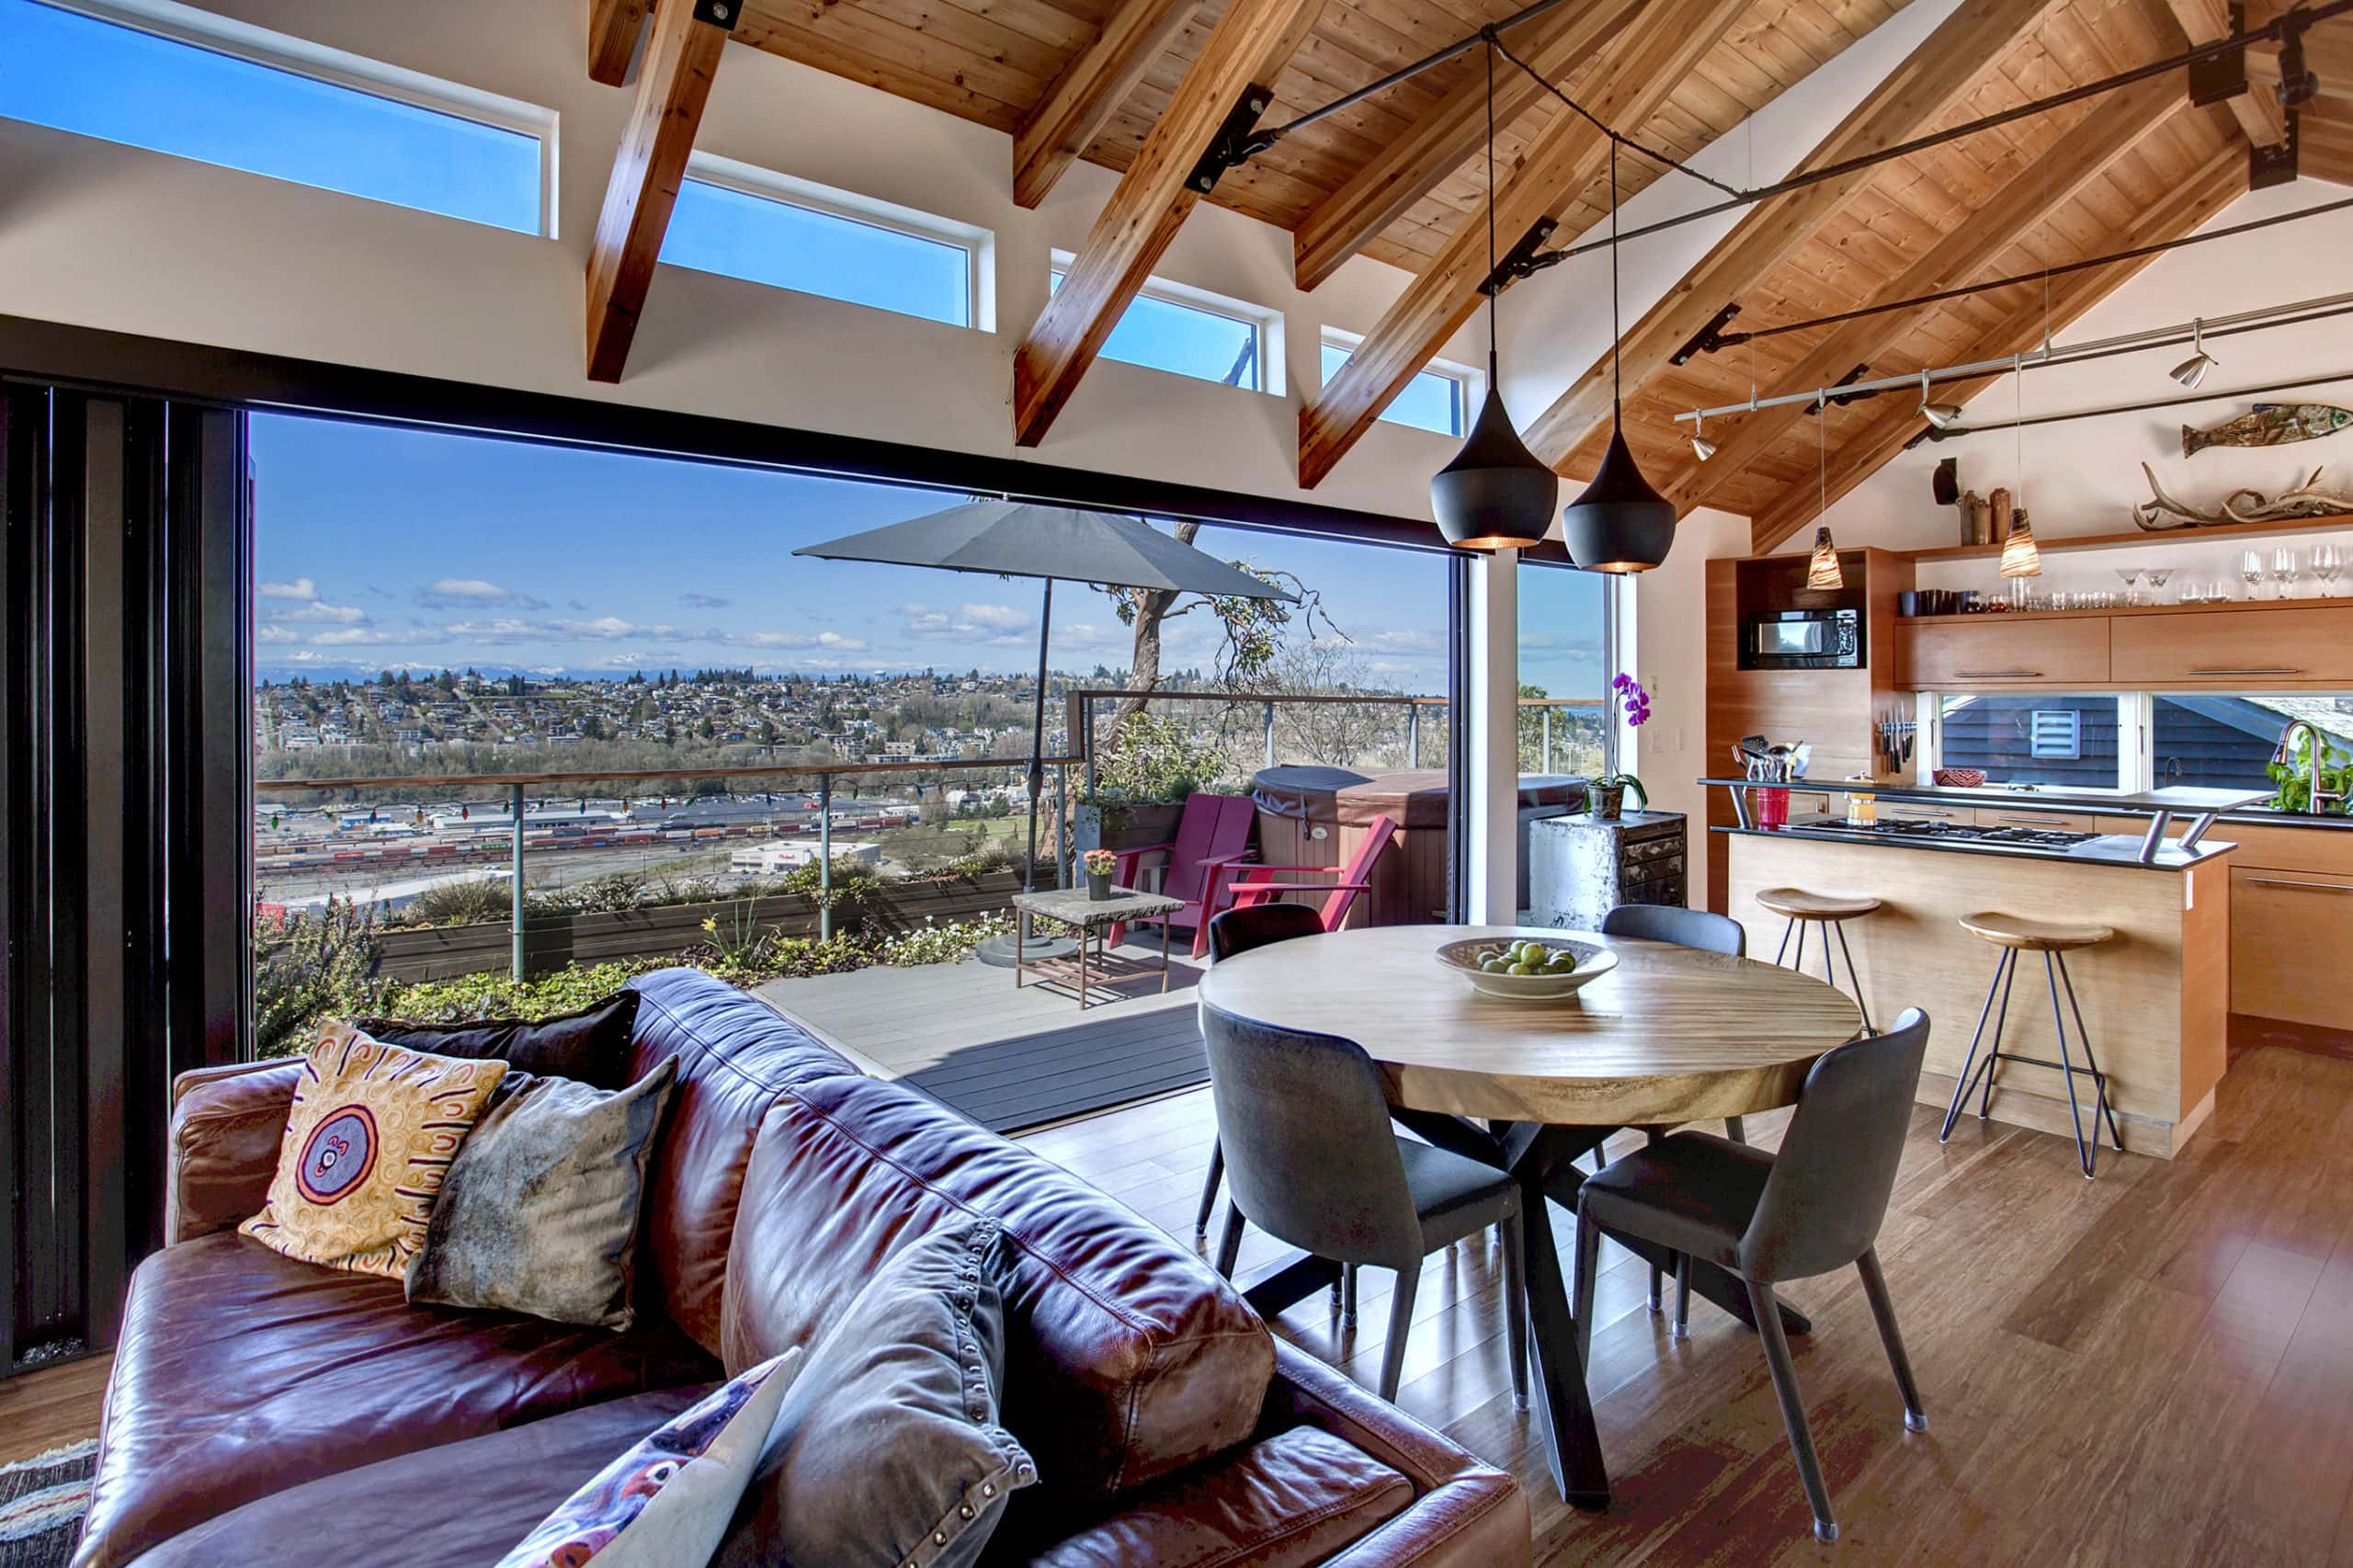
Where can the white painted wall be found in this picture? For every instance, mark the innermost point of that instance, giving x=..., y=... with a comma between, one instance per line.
x=1664, y=620
x=108, y=236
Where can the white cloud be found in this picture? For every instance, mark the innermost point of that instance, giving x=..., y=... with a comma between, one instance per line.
x=471, y=593
x=318, y=611
x=299, y=589
x=1003, y=617
x=704, y=601
x=1403, y=641
x=974, y=624
x=276, y=634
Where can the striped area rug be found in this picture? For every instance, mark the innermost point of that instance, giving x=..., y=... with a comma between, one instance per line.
x=43, y=1500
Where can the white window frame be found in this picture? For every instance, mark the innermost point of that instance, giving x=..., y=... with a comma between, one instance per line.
x=1470, y=383
x=978, y=244
x=1264, y=320
x=300, y=57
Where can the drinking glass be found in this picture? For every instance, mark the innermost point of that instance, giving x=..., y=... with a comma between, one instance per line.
x=2251, y=571
x=2284, y=572
x=2327, y=562
x=2130, y=578
x=2156, y=576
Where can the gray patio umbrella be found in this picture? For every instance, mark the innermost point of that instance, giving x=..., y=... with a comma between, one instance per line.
x=1027, y=539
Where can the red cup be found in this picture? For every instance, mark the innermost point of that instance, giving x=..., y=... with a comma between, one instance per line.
x=1772, y=808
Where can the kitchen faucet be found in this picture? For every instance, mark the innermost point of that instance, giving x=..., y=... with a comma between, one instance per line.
x=2317, y=799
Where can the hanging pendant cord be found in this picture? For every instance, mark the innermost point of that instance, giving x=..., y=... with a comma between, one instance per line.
x=1616, y=386
x=1616, y=138
x=1492, y=372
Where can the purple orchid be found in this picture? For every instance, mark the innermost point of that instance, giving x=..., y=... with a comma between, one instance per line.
x=1637, y=701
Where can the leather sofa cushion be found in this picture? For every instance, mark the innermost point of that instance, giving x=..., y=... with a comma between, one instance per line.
x=228, y=1127
x=239, y=1372
x=1293, y=1499
x=1127, y=1357
x=463, y=1503
x=735, y=1055
x=592, y=1046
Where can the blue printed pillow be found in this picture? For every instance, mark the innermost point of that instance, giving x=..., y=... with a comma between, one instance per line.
x=667, y=1502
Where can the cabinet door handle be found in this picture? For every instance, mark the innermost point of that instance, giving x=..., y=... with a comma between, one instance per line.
x=1999, y=675
x=2251, y=672
x=2289, y=882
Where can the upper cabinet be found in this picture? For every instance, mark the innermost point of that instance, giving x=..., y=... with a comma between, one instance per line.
x=2233, y=647
x=1991, y=652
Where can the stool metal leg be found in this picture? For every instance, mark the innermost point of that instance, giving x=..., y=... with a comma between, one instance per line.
x=1783, y=951
x=1853, y=978
x=1968, y=1063
x=2084, y=1038
x=1994, y=1052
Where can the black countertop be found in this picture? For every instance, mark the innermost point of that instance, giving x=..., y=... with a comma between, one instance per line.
x=2109, y=849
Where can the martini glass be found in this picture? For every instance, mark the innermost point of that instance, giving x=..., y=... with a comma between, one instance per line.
x=2327, y=562
x=2156, y=576
x=2128, y=576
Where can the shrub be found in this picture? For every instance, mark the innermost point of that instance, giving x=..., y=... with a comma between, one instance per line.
x=934, y=943
x=479, y=901
x=310, y=967
x=1153, y=759
x=497, y=995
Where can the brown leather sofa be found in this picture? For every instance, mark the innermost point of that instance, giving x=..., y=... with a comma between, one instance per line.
x=262, y=1408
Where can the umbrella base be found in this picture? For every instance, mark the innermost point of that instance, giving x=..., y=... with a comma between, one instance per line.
x=997, y=951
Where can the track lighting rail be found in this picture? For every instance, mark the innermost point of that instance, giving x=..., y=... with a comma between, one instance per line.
x=2180, y=400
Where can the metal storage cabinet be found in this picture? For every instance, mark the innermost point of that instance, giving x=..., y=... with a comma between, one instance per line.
x=1580, y=868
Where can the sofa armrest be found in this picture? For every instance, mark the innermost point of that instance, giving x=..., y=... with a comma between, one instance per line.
x=1464, y=1512
x=222, y=1144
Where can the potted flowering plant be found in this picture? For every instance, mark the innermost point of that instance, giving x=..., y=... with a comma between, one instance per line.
x=1605, y=796
x=1100, y=864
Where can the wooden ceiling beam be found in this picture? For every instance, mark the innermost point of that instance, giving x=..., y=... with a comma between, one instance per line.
x=1250, y=42
x=2120, y=122
x=1636, y=74
x=2218, y=182
x=1410, y=166
x=681, y=57
x=1090, y=89
x=613, y=29
x=1907, y=102
x=2257, y=112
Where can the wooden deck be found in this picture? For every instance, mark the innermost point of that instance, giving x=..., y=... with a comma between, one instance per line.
x=1013, y=1058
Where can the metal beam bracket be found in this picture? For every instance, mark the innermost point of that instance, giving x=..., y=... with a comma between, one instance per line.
x=1708, y=339
x=2298, y=84
x=1233, y=144
x=720, y=14
x=1524, y=259
x=2221, y=77
x=1857, y=374
x=2268, y=166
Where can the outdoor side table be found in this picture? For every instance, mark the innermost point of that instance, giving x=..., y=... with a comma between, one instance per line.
x=1071, y=906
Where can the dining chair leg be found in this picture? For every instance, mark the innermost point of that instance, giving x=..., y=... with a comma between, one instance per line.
x=1349, y=1294
x=1401, y=1318
x=1209, y=1188
x=1587, y=1264
x=1915, y=1417
x=1682, y=1295
x=1651, y=1135
x=1229, y=1246
x=1785, y=1388
x=1516, y=1308
x=1735, y=1129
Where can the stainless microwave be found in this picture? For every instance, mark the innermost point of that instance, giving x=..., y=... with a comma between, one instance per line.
x=1802, y=639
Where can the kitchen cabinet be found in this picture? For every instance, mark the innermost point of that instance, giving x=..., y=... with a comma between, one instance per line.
x=1993, y=653
x=2051, y=822
x=2288, y=944
x=2240, y=649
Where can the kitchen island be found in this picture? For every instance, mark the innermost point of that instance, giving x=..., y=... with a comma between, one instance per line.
x=2155, y=998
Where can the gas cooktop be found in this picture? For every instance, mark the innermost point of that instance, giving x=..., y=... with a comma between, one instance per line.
x=1963, y=832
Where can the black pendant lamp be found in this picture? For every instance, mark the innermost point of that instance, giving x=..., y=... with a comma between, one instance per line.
x=1495, y=495
x=1620, y=524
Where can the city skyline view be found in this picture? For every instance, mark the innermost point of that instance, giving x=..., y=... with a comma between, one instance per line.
x=382, y=548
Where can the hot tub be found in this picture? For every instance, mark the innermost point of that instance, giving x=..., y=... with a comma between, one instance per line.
x=1318, y=816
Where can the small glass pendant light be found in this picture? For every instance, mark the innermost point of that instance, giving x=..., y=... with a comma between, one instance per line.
x=1495, y=494
x=2021, y=556
x=1620, y=524
x=1822, y=571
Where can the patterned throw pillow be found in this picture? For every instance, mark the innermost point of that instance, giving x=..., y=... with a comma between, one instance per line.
x=665, y=1503
x=373, y=1130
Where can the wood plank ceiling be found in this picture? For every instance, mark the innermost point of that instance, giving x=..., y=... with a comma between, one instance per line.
x=1905, y=225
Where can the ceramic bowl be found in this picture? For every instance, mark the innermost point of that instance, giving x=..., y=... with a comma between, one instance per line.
x=1958, y=777
x=1593, y=962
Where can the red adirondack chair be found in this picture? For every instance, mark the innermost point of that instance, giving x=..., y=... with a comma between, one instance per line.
x=1212, y=838
x=1339, y=895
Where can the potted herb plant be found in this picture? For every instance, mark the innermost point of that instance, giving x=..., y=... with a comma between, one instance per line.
x=1100, y=864
x=1605, y=796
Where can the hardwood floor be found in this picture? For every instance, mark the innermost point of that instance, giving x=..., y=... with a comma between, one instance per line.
x=48, y=1409
x=2153, y=1367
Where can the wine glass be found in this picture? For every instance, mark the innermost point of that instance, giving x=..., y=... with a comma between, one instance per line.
x=2251, y=571
x=2327, y=562
x=2156, y=576
x=2130, y=578
x=2284, y=572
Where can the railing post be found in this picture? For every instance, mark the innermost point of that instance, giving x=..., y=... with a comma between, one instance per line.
x=1548, y=742
x=824, y=856
x=1271, y=734
x=516, y=801
x=1062, y=822
x=1087, y=730
x=1414, y=734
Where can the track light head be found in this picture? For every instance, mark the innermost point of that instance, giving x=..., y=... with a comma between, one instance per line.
x=1942, y=416
x=1703, y=449
x=2193, y=371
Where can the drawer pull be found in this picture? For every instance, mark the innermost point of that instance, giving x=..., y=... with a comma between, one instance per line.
x=2276, y=671
x=1999, y=675
x=2289, y=882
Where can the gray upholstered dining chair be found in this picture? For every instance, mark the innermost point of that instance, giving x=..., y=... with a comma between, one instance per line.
x=1310, y=1160
x=1238, y=931
x=1811, y=1208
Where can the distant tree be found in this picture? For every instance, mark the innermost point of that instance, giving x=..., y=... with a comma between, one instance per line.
x=1252, y=628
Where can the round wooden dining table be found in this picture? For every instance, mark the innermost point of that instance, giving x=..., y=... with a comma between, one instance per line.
x=1671, y=1035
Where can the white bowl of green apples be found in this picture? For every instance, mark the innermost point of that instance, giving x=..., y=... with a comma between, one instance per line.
x=1527, y=969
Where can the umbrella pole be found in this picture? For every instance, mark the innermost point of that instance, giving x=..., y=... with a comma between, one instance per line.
x=1038, y=738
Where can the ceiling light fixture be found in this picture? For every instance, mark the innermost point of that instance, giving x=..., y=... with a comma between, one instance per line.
x=2193, y=371
x=1943, y=415
x=1822, y=571
x=1701, y=448
x=1495, y=495
x=2021, y=556
x=1620, y=524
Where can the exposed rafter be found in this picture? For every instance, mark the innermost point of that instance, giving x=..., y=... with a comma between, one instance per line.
x=1634, y=75
x=613, y=29
x=2048, y=183
x=2257, y=112
x=681, y=57
x=1251, y=40
x=1907, y=101
x=1090, y=91
x=1895, y=421
x=1410, y=166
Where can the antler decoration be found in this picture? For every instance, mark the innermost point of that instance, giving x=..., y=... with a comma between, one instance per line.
x=2306, y=500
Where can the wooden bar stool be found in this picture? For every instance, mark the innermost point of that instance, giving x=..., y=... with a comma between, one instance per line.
x=2016, y=934
x=1831, y=913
